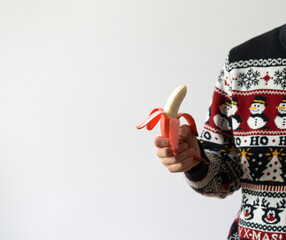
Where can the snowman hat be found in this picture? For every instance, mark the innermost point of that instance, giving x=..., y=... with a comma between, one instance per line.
x=283, y=100
x=228, y=102
x=259, y=99
x=234, y=101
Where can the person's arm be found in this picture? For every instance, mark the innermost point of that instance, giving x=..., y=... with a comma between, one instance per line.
x=221, y=176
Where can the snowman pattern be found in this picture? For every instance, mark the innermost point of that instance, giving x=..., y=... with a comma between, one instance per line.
x=236, y=120
x=222, y=119
x=280, y=120
x=258, y=119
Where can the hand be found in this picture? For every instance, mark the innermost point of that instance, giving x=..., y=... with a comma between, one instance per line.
x=188, y=147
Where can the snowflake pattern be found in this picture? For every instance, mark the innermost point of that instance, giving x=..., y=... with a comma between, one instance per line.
x=280, y=78
x=248, y=79
x=221, y=76
x=229, y=87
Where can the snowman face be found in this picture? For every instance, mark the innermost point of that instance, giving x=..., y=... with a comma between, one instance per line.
x=256, y=108
x=282, y=108
x=225, y=109
x=234, y=109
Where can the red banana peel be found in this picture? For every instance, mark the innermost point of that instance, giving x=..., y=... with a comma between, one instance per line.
x=169, y=116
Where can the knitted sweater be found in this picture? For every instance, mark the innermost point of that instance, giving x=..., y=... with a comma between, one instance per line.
x=244, y=137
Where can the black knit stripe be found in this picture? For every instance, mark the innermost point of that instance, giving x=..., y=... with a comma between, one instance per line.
x=268, y=49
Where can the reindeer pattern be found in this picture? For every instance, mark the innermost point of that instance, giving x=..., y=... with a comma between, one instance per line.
x=248, y=209
x=271, y=214
x=268, y=211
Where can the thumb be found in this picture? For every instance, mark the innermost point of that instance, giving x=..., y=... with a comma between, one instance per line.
x=184, y=131
x=186, y=134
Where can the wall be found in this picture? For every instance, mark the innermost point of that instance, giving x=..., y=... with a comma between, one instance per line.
x=76, y=77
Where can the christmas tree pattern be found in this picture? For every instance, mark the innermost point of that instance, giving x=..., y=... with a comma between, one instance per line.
x=248, y=79
x=244, y=159
x=273, y=170
x=280, y=78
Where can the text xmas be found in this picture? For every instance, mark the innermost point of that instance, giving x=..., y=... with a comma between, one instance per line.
x=251, y=234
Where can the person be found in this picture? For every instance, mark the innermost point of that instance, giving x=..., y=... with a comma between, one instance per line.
x=244, y=138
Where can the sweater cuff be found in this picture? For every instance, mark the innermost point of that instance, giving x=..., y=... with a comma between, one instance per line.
x=200, y=171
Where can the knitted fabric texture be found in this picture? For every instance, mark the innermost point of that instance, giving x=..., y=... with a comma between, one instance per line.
x=244, y=137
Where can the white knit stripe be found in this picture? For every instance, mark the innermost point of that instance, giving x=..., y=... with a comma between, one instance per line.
x=261, y=141
x=258, y=132
x=257, y=63
x=216, y=130
x=254, y=74
x=221, y=92
x=260, y=91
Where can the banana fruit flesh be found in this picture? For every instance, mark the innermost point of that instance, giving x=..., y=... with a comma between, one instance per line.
x=174, y=101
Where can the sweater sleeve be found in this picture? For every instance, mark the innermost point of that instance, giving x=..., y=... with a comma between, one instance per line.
x=221, y=177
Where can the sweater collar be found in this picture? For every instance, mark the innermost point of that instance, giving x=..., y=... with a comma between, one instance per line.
x=283, y=36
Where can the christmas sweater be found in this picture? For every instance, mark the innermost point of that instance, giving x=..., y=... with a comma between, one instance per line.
x=244, y=137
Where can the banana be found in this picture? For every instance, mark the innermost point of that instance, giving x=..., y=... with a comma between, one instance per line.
x=174, y=101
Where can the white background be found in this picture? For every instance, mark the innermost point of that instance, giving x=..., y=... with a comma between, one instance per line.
x=76, y=77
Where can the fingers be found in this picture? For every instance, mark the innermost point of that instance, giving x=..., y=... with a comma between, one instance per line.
x=161, y=142
x=181, y=162
x=184, y=132
x=180, y=157
x=168, y=152
x=183, y=166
